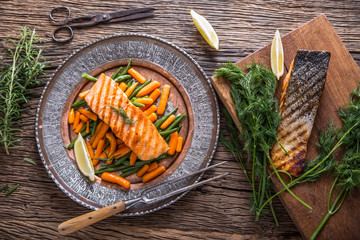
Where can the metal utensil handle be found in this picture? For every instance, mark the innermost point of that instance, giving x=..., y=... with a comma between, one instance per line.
x=61, y=20
x=87, y=219
x=68, y=28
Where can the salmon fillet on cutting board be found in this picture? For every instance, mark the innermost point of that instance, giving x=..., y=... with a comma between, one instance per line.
x=299, y=107
x=141, y=137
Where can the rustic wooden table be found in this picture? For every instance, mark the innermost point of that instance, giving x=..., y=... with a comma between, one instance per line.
x=215, y=211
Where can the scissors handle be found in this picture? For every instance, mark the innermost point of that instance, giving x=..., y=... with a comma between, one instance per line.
x=67, y=19
x=67, y=28
x=57, y=9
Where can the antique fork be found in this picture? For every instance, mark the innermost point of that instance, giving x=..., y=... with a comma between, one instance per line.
x=87, y=219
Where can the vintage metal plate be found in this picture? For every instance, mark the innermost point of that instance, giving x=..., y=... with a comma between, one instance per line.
x=162, y=61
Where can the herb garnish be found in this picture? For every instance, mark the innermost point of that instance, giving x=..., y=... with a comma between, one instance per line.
x=258, y=113
x=122, y=113
x=27, y=64
x=30, y=161
x=347, y=174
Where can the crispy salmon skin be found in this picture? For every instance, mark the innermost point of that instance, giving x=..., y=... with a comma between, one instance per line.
x=141, y=137
x=299, y=106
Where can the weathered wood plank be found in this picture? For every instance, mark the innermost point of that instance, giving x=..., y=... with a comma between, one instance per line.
x=38, y=206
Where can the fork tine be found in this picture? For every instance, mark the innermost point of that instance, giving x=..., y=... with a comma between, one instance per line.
x=183, y=177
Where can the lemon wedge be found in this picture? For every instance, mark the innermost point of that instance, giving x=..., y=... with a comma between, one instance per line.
x=277, y=56
x=206, y=30
x=83, y=158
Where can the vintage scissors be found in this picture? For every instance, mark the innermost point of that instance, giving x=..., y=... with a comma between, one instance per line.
x=93, y=19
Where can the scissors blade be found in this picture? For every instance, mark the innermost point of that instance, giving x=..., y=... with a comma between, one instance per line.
x=128, y=12
x=132, y=17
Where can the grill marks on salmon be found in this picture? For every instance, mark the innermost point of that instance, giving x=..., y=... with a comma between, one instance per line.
x=141, y=137
x=299, y=104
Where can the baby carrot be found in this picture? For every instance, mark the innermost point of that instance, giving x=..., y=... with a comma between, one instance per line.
x=123, y=86
x=122, y=151
x=77, y=120
x=150, y=110
x=89, y=114
x=87, y=127
x=173, y=142
x=79, y=127
x=135, y=74
x=153, y=166
x=113, y=145
x=143, y=170
x=84, y=118
x=96, y=132
x=179, y=144
x=129, y=91
x=99, y=149
x=71, y=116
x=168, y=121
x=133, y=158
x=104, y=128
x=163, y=99
x=148, y=89
x=91, y=150
x=144, y=100
x=154, y=95
x=83, y=94
x=110, y=177
x=152, y=117
x=153, y=174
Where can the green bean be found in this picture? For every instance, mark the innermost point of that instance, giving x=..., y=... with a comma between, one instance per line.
x=129, y=83
x=168, y=132
x=112, y=169
x=116, y=73
x=163, y=119
x=93, y=129
x=139, y=88
x=176, y=122
x=12, y=189
x=125, y=174
x=120, y=160
x=126, y=69
x=71, y=145
x=88, y=77
x=122, y=78
x=136, y=104
x=78, y=104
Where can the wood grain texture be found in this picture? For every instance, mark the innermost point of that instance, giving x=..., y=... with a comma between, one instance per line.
x=219, y=210
x=342, y=78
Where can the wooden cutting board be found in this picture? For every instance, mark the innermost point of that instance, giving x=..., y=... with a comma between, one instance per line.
x=343, y=75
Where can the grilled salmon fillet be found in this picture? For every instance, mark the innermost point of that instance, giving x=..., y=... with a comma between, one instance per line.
x=299, y=105
x=141, y=137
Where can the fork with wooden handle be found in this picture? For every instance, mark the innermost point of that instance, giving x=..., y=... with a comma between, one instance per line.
x=87, y=219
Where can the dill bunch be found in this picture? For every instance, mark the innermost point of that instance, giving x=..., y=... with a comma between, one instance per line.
x=257, y=111
x=15, y=77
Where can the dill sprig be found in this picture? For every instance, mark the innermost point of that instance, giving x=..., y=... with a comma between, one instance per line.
x=122, y=113
x=258, y=113
x=347, y=173
x=27, y=64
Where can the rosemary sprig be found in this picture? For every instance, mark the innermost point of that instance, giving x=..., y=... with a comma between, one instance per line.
x=122, y=113
x=27, y=64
